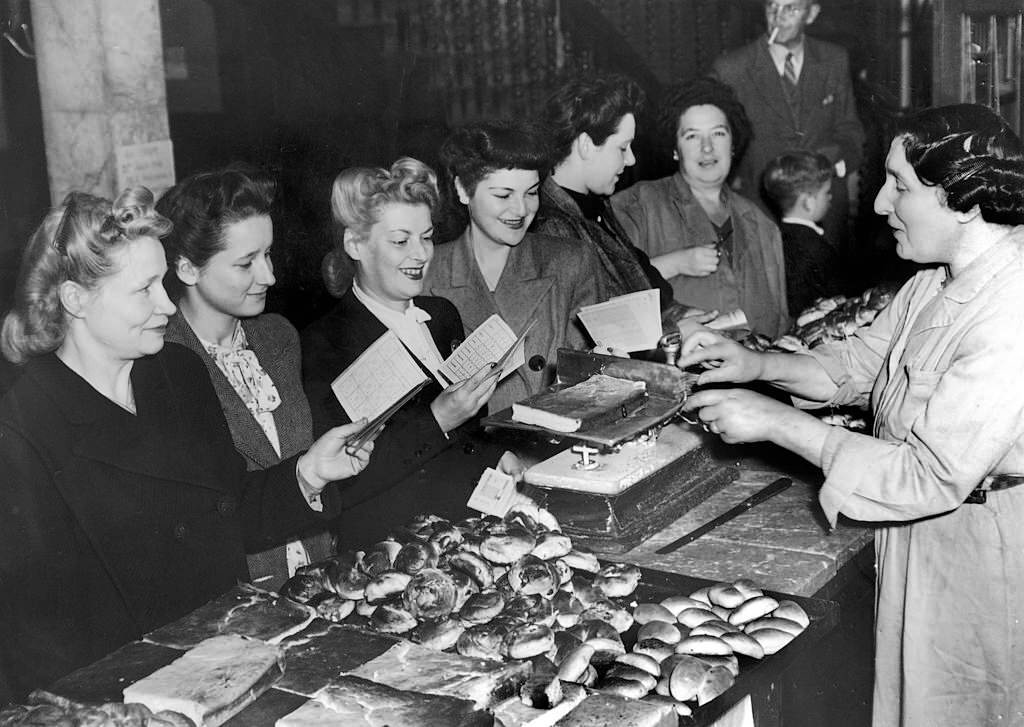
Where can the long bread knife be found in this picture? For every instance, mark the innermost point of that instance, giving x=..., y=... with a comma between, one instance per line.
x=757, y=498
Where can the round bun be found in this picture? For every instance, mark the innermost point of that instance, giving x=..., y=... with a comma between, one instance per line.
x=552, y=545
x=506, y=543
x=430, y=594
x=529, y=640
x=618, y=580
x=645, y=612
x=389, y=619
x=335, y=608
x=661, y=630
x=439, y=636
x=481, y=607
x=483, y=641
x=582, y=560
x=531, y=575
x=385, y=585
x=472, y=565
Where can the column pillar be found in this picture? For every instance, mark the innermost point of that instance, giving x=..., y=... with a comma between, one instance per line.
x=102, y=92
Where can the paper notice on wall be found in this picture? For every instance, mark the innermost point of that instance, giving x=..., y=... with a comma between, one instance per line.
x=146, y=165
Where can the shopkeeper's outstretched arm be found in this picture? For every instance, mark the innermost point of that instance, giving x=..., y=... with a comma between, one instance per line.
x=728, y=362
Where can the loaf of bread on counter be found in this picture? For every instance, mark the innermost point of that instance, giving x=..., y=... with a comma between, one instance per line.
x=416, y=668
x=213, y=681
x=597, y=400
x=355, y=702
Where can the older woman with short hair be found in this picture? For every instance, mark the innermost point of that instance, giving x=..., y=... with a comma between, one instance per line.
x=124, y=504
x=717, y=249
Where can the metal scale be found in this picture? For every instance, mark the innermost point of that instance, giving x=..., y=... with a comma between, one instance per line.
x=619, y=482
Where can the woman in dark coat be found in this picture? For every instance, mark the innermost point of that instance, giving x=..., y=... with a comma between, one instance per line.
x=388, y=237
x=124, y=504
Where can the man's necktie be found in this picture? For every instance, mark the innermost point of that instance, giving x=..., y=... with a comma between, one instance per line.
x=789, y=75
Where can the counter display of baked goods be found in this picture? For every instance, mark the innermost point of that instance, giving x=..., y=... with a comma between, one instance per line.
x=534, y=630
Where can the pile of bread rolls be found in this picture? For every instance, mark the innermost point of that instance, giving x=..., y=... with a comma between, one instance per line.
x=517, y=588
x=489, y=587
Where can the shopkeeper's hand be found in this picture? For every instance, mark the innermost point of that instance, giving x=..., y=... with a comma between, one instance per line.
x=456, y=404
x=326, y=460
x=725, y=360
x=739, y=415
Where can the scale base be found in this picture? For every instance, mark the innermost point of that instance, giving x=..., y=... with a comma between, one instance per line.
x=616, y=523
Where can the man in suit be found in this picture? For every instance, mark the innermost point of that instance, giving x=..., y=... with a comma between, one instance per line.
x=798, y=95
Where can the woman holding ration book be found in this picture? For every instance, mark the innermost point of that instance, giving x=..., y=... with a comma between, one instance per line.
x=388, y=237
x=941, y=369
x=219, y=273
x=124, y=504
x=493, y=172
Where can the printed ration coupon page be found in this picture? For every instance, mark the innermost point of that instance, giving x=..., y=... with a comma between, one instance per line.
x=379, y=378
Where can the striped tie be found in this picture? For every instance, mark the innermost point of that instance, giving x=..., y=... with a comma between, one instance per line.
x=789, y=74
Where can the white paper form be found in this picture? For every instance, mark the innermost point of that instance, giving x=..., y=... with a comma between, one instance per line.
x=381, y=376
x=489, y=343
x=630, y=322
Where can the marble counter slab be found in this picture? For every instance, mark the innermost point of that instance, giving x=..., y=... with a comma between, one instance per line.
x=783, y=543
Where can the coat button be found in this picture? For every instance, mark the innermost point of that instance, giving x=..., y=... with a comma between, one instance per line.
x=225, y=507
x=180, y=531
x=537, y=363
x=469, y=448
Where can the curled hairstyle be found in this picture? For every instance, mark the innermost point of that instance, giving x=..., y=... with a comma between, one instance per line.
x=591, y=104
x=357, y=195
x=475, y=150
x=789, y=175
x=971, y=153
x=75, y=243
x=704, y=92
x=203, y=206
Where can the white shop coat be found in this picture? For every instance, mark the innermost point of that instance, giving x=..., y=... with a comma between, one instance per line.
x=943, y=369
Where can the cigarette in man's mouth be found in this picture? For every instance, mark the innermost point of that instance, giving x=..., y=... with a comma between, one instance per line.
x=771, y=37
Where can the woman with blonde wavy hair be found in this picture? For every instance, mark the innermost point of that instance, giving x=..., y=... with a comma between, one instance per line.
x=124, y=504
x=388, y=239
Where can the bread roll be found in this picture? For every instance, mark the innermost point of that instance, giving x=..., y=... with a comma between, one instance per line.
x=618, y=579
x=389, y=619
x=575, y=663
x=481, y=607
x=686, y=678
x=716, y=680
x=440, y=635
x=618, y=670
x=771, y=640
x=661, y=630
x=773, y=622
x=640, y=661
x=385, y=585
x=627, y=688
x=696, y=645
x=529, y=640
x=744, y=644
x=725, y=595
x=551, y=545
x=645, y=612
x=755, y=608
x=793, y=611
x=694, y=617
x=582, y=560
x=506, y=543
x=677, y=604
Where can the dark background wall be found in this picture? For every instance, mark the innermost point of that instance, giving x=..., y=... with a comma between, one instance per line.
x=308, y=87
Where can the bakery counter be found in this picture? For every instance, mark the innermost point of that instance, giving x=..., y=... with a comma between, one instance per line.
x=785, y=544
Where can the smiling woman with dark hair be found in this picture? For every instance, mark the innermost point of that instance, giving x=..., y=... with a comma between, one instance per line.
x=493, y=172
x=940, y=368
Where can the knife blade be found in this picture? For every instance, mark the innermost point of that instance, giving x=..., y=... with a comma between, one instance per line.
x=765, y=493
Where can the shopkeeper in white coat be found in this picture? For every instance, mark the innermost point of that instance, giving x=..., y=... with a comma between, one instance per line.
x=941, y=369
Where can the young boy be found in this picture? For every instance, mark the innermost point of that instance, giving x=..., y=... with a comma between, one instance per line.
x=799, y=184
